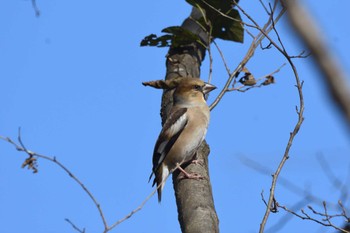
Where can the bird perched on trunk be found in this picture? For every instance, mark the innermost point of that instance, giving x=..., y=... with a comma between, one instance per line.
x=184, y=129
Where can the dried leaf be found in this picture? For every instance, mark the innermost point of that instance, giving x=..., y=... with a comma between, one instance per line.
x=269, y=80
x=31, y=164
x=248, y=79
x=164, y=84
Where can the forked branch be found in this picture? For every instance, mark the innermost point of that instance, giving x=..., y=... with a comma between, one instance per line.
x=31, y=163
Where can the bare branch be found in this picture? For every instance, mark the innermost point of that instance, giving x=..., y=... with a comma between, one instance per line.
x=269, y=25
x=36, y=9
x=255, y=43
x=284, y=182
x=210, y=63
x=326, y=217
x=135, y=210
x=299, y=85
x=74, y=226
x=268, y=79
x=337, y=183
x=22, y=148
x=222, y=58
x=284, y=220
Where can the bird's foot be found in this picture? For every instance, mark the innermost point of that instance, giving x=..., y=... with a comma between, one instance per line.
x=186, y=175
x=197, y=162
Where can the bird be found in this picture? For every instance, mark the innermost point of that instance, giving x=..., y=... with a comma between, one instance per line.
x=184, y=129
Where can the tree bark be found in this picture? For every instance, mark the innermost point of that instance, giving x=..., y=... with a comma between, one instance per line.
x=195, y=204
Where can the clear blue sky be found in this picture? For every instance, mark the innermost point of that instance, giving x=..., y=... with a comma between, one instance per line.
x=71, y=79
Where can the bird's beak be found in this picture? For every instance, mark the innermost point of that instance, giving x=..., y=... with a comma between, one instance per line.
x=208, y=88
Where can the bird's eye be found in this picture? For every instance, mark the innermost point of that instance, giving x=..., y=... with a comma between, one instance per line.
x=197, y=87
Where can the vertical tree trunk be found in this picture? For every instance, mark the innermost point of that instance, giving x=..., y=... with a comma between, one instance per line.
x=195, y=205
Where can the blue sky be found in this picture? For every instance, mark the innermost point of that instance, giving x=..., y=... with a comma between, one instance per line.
x=71, y=79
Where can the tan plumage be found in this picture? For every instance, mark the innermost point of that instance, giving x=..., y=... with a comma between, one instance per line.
x=184, y=129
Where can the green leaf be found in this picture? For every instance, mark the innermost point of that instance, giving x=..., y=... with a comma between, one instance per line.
x=223, y=5
x=176, y=36
x=223, y=27
x=229, y=29
x=181, y=36
x=226, y=27
x=153, y=40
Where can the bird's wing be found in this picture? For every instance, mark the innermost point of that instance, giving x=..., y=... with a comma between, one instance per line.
x=172, y=129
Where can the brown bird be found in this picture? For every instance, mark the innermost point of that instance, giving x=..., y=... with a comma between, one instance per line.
x=184, y=129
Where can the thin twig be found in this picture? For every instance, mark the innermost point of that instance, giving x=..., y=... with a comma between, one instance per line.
x=135, y=210
x=334, y=75
x=283, y=181
x=142, y=204
x=258, y=85
x=337, y=183
x=227, y=16
x=74, y=226
x=324, y=222
x=287, y=217
x=36, y=9
x=300, y=112
x=255, y=43
x=210, y=64
x=22, y=148
x=222, y=58
x=270, y=25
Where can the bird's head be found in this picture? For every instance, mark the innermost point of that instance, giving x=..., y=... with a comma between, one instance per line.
x=192, y=91
x=186, y=90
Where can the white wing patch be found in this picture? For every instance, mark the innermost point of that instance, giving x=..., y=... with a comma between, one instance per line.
x=178, y=125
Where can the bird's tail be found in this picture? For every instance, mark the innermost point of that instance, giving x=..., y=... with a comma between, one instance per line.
x=161, y=176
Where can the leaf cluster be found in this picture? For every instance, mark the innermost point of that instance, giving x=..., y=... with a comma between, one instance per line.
x=219, y=19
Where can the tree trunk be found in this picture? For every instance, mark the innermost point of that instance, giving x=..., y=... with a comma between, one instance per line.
x=195, y=205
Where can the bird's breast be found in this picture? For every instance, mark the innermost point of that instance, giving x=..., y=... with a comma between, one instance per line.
x=190, y=139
